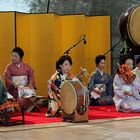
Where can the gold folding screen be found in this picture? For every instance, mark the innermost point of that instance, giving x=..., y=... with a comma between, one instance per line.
x=45, y=37
x=7, y=38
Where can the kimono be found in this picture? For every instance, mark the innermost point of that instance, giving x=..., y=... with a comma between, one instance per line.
x=104, y=81
x=123, y=102
x=5, y=104
x=3, y=93
x=136, y=82
x=54, y=89
x=20, y=75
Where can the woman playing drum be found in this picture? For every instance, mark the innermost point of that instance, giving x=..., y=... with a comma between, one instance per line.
x=125, y=98
x=63, y=67
x=100, y=84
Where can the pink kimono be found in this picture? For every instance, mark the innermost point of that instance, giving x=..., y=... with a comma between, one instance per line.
x=12, y=70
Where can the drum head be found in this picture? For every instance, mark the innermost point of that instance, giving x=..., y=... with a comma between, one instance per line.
x=68, y=97
x=133, y=26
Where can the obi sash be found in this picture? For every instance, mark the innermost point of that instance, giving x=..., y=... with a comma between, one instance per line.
x=21, y=82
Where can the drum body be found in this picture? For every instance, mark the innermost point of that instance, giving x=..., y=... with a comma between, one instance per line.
x=74, y=97
x=129, y=25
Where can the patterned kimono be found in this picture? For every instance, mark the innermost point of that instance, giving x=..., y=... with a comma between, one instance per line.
x=20, y=75
x=103, y=81
x=54, y=89
x=6, y=105
x=123, y=102
x=3, y=93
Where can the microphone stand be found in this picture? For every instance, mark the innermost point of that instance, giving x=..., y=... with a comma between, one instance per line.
x=67, y=51
x=48, y=6
x=113, y=47
x=111, y=50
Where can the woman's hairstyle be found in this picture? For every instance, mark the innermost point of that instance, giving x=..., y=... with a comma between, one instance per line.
x=123, y=59
x=138, y=60
x=61, y=60
x=99, y=58
x=19, y=51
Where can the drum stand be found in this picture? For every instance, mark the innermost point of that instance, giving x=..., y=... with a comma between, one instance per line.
x=75, y=117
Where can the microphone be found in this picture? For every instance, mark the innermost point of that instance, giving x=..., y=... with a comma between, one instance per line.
x=85, y=42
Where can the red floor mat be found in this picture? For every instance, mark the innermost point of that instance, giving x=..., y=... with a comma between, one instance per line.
x=95, y=112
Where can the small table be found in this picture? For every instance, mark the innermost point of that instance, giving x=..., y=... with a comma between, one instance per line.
x=34, y=102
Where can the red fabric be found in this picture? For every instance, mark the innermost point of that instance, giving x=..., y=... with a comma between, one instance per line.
x=95, y=112
x=103, y=112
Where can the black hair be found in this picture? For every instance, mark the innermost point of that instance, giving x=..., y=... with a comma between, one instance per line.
x=138, y=60
x=61, y=60
x=99, y=58
x=124, y=58
x=19, y=51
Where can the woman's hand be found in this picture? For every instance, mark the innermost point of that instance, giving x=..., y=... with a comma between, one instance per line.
x=98, y=90
x=30, y=86
x=15, y=86
x=128, y=93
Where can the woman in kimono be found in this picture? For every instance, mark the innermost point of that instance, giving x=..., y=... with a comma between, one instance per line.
x=63, y=67
x=7, y=104
x=3, y=93
x=126, y=98
x=19, y=76
x=100, y=84
x=137, y=79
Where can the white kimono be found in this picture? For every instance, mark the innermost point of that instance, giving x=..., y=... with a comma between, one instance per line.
x=137, y=80
x=122, y=101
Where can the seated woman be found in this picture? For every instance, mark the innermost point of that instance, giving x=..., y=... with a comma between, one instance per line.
x=100, y=84
x=63, y=67
x=137, y=80
x=19, y=76
x=125, y=98
x=3, y=93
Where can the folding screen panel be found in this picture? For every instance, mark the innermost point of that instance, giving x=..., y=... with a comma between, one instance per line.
x=7, y=38
x=45, y=37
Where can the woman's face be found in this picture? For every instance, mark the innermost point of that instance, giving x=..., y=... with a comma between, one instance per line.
x=138, y=65
x=66, y=67
x=16, y=58
x=129, y=62
x=101, y=65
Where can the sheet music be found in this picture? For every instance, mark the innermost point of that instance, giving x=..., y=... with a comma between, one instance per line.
x=95, y=95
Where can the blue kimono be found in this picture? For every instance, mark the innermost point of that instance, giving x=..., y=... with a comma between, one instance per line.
x=106, y=84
